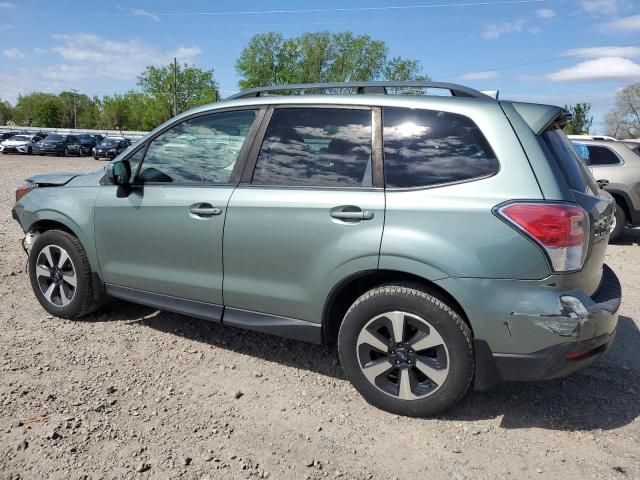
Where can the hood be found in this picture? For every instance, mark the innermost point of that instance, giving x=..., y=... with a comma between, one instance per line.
x=53, y=178
x=15, y=142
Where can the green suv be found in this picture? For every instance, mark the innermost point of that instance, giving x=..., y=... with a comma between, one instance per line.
x=442, y=242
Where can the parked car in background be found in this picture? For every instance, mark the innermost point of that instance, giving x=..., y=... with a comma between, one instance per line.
x=616, y=167
x=97, y=137
x=21, y=143
x=440, y=241
x=87, y=142
x=6, y=135
x=109, y=148
x=61, y=145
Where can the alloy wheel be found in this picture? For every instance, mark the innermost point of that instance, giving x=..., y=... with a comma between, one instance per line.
x=56, y=275
x=403, y=355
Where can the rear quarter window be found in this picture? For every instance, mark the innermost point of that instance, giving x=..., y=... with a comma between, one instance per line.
x=426, y=148
x=560, y=149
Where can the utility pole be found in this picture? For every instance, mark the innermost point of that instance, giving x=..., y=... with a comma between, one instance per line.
x=75, y=112
x=175, y=86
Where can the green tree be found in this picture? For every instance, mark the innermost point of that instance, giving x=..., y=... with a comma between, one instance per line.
x=116, y=112
x=270, y=59
x=6, y=112
x=38, y=109
x=624, y=120
x=580, y=120
x=194, y=87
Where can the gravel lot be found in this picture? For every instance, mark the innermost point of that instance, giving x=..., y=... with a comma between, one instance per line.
x=134, y=392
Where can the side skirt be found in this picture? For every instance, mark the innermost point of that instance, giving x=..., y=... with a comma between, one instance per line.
x=262, y=322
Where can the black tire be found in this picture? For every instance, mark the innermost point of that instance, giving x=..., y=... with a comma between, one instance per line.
x=82, y=301
x=452, y=329
x=96, y=157
x=29, y=151
x=621, y=221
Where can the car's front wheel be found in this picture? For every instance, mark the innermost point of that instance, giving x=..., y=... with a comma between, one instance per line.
x=406, y=351
x=60, y=275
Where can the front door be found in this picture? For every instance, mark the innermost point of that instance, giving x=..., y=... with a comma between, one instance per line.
x=308, y=216
x=165, y=237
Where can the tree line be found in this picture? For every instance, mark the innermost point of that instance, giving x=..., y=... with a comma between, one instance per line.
x=268, y=59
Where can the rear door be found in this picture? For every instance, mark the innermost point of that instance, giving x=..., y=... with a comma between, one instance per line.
x=307, y=216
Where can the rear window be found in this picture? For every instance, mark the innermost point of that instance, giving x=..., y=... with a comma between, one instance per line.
x=573, y=169
x=424, y=148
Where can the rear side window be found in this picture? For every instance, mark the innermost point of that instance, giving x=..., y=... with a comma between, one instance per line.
x=573, y=169
x=602, y=156
x=423, y=148
x=317, y=147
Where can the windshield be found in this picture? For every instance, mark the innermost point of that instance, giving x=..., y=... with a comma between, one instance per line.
x=85, y=137
x=109, y=142
x=22, y=138
x=55, y=138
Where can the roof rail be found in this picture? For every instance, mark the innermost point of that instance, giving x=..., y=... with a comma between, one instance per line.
x=363, y=88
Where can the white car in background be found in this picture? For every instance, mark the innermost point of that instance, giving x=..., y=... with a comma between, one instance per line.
x=21, y=143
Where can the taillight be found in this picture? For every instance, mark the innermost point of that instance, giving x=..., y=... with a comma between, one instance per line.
x=562, y=230
x=23, y=189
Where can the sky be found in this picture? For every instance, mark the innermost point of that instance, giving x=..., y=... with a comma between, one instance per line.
x=546, y=51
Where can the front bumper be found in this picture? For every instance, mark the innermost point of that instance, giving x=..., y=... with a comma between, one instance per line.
x=49, y=151
x=14, y=149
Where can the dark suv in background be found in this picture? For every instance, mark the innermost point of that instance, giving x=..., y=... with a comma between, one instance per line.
x=61, y=145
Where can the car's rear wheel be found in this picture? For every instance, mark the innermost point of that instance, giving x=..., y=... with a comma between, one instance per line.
x=619, y=222
x=29, y=151
x=406, y=351
x=60, y=275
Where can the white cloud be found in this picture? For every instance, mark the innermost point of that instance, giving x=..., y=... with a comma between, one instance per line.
x=143, y=13
x=545, y=13
x=90, y=63
x=624, y=24
x=597, y=52
x=13, y=53
x=90, y=56
x=605, y=68
x=496, y=30
x=6, y=5
x=604, y=7
x=486, y=75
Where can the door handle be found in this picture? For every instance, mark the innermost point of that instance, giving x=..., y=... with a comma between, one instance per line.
x=352, y=214
x=204, y=210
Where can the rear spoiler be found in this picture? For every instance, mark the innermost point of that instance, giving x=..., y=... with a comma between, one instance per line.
x=540, y=117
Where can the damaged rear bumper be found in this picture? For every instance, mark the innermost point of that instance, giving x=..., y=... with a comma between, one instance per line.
x=536, y=331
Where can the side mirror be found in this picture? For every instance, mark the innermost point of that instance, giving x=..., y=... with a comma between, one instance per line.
x=119, y=173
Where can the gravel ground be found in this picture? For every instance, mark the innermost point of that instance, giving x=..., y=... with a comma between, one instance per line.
x=134, y=392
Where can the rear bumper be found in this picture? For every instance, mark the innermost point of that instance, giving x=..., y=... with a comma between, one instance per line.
x=572, y=352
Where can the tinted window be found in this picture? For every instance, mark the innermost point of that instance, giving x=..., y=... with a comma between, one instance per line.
x=55, y=138
x=573, y=169
x=602, y=156
x=200, y=150
x=321, y=147
x=424, y=148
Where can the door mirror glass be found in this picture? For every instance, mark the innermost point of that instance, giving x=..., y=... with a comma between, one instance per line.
x=119, y=173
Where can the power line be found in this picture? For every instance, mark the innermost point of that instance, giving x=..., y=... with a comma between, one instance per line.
x=331, y=10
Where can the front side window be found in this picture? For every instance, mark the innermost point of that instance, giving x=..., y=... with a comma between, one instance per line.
x=200, y=150
x=423, y=148
x=317, y=147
